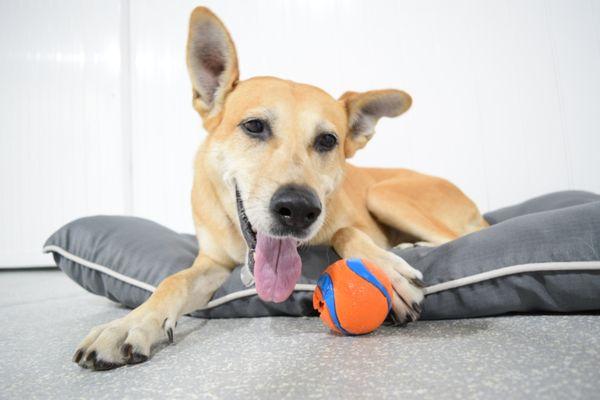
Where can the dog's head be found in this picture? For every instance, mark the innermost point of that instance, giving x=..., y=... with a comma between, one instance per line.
x=279, y=146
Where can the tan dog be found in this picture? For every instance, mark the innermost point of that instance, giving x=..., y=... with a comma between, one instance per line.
x=272, y=174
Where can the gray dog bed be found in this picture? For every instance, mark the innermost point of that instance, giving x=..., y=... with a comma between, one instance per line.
x=541, y=255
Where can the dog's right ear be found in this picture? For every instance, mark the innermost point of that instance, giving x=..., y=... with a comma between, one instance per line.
x=212, y=62
x=365, y=109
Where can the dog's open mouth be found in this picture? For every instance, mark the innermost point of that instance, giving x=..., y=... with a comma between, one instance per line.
x=275, y=261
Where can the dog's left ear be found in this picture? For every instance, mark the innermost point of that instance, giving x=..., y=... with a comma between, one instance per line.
x=365, y=109
x=212, y=61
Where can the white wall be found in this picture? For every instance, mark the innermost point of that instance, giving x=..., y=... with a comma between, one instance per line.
x=61, y=143
x=506, y=97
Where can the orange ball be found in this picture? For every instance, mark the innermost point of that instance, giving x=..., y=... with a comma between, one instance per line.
x=353, y=296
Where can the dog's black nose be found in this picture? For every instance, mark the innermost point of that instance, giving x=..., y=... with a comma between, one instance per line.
x=295, y=206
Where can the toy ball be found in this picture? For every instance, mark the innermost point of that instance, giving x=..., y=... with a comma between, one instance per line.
x=353, y=296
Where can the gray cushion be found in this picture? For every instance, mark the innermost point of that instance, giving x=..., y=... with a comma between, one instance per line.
x=547, y=202
x=541, y=255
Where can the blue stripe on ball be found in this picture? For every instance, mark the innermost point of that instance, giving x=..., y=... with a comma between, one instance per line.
x=357, y=266
x=326, y=286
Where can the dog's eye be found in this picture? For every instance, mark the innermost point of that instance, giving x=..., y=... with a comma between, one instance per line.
x=325, y=142
x=256, y=128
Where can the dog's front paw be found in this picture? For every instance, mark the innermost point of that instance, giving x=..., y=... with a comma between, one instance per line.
x=408, y=288
x=123, y=341
x=406, y=302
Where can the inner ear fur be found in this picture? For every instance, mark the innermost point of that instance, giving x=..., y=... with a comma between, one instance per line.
x=365, y=109
x=212, y=61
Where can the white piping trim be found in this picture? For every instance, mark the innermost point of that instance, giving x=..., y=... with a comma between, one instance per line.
x=512, y=270
x=305, y=287
x=99, y=268
x=300, y=287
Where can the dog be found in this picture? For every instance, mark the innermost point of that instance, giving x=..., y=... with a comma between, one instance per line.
x=271, y=175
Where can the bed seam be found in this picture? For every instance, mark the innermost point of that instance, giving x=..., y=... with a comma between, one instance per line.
x=561, y=266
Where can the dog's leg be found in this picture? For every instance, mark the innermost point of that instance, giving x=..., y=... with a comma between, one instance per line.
x=406, y=281
x=430, y=209
x=394, y=208
x=128, y=340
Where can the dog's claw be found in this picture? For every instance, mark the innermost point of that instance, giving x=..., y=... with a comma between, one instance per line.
x=137, y=358
x=77, y=356
x=398, y=321
x=168, y=326
x=93, y=362
x=417, y=307
x=131, y=356
x=91, y=357
x=418, y=283
x=126, y=350
x=100, y=365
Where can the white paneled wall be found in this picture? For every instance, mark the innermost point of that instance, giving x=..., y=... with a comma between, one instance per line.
x=61, y=143
x=506, y=94
x=166, y=131
x=96, y=110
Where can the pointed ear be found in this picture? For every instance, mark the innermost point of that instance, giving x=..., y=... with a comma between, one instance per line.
x=365, y=109
x=212, y=61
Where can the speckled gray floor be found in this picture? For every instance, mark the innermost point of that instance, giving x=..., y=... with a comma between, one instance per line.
x=44, y=315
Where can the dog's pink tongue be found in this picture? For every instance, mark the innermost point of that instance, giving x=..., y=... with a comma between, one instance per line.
x=277, y=267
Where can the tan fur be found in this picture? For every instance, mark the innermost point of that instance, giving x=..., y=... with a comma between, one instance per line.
x=365, y=210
